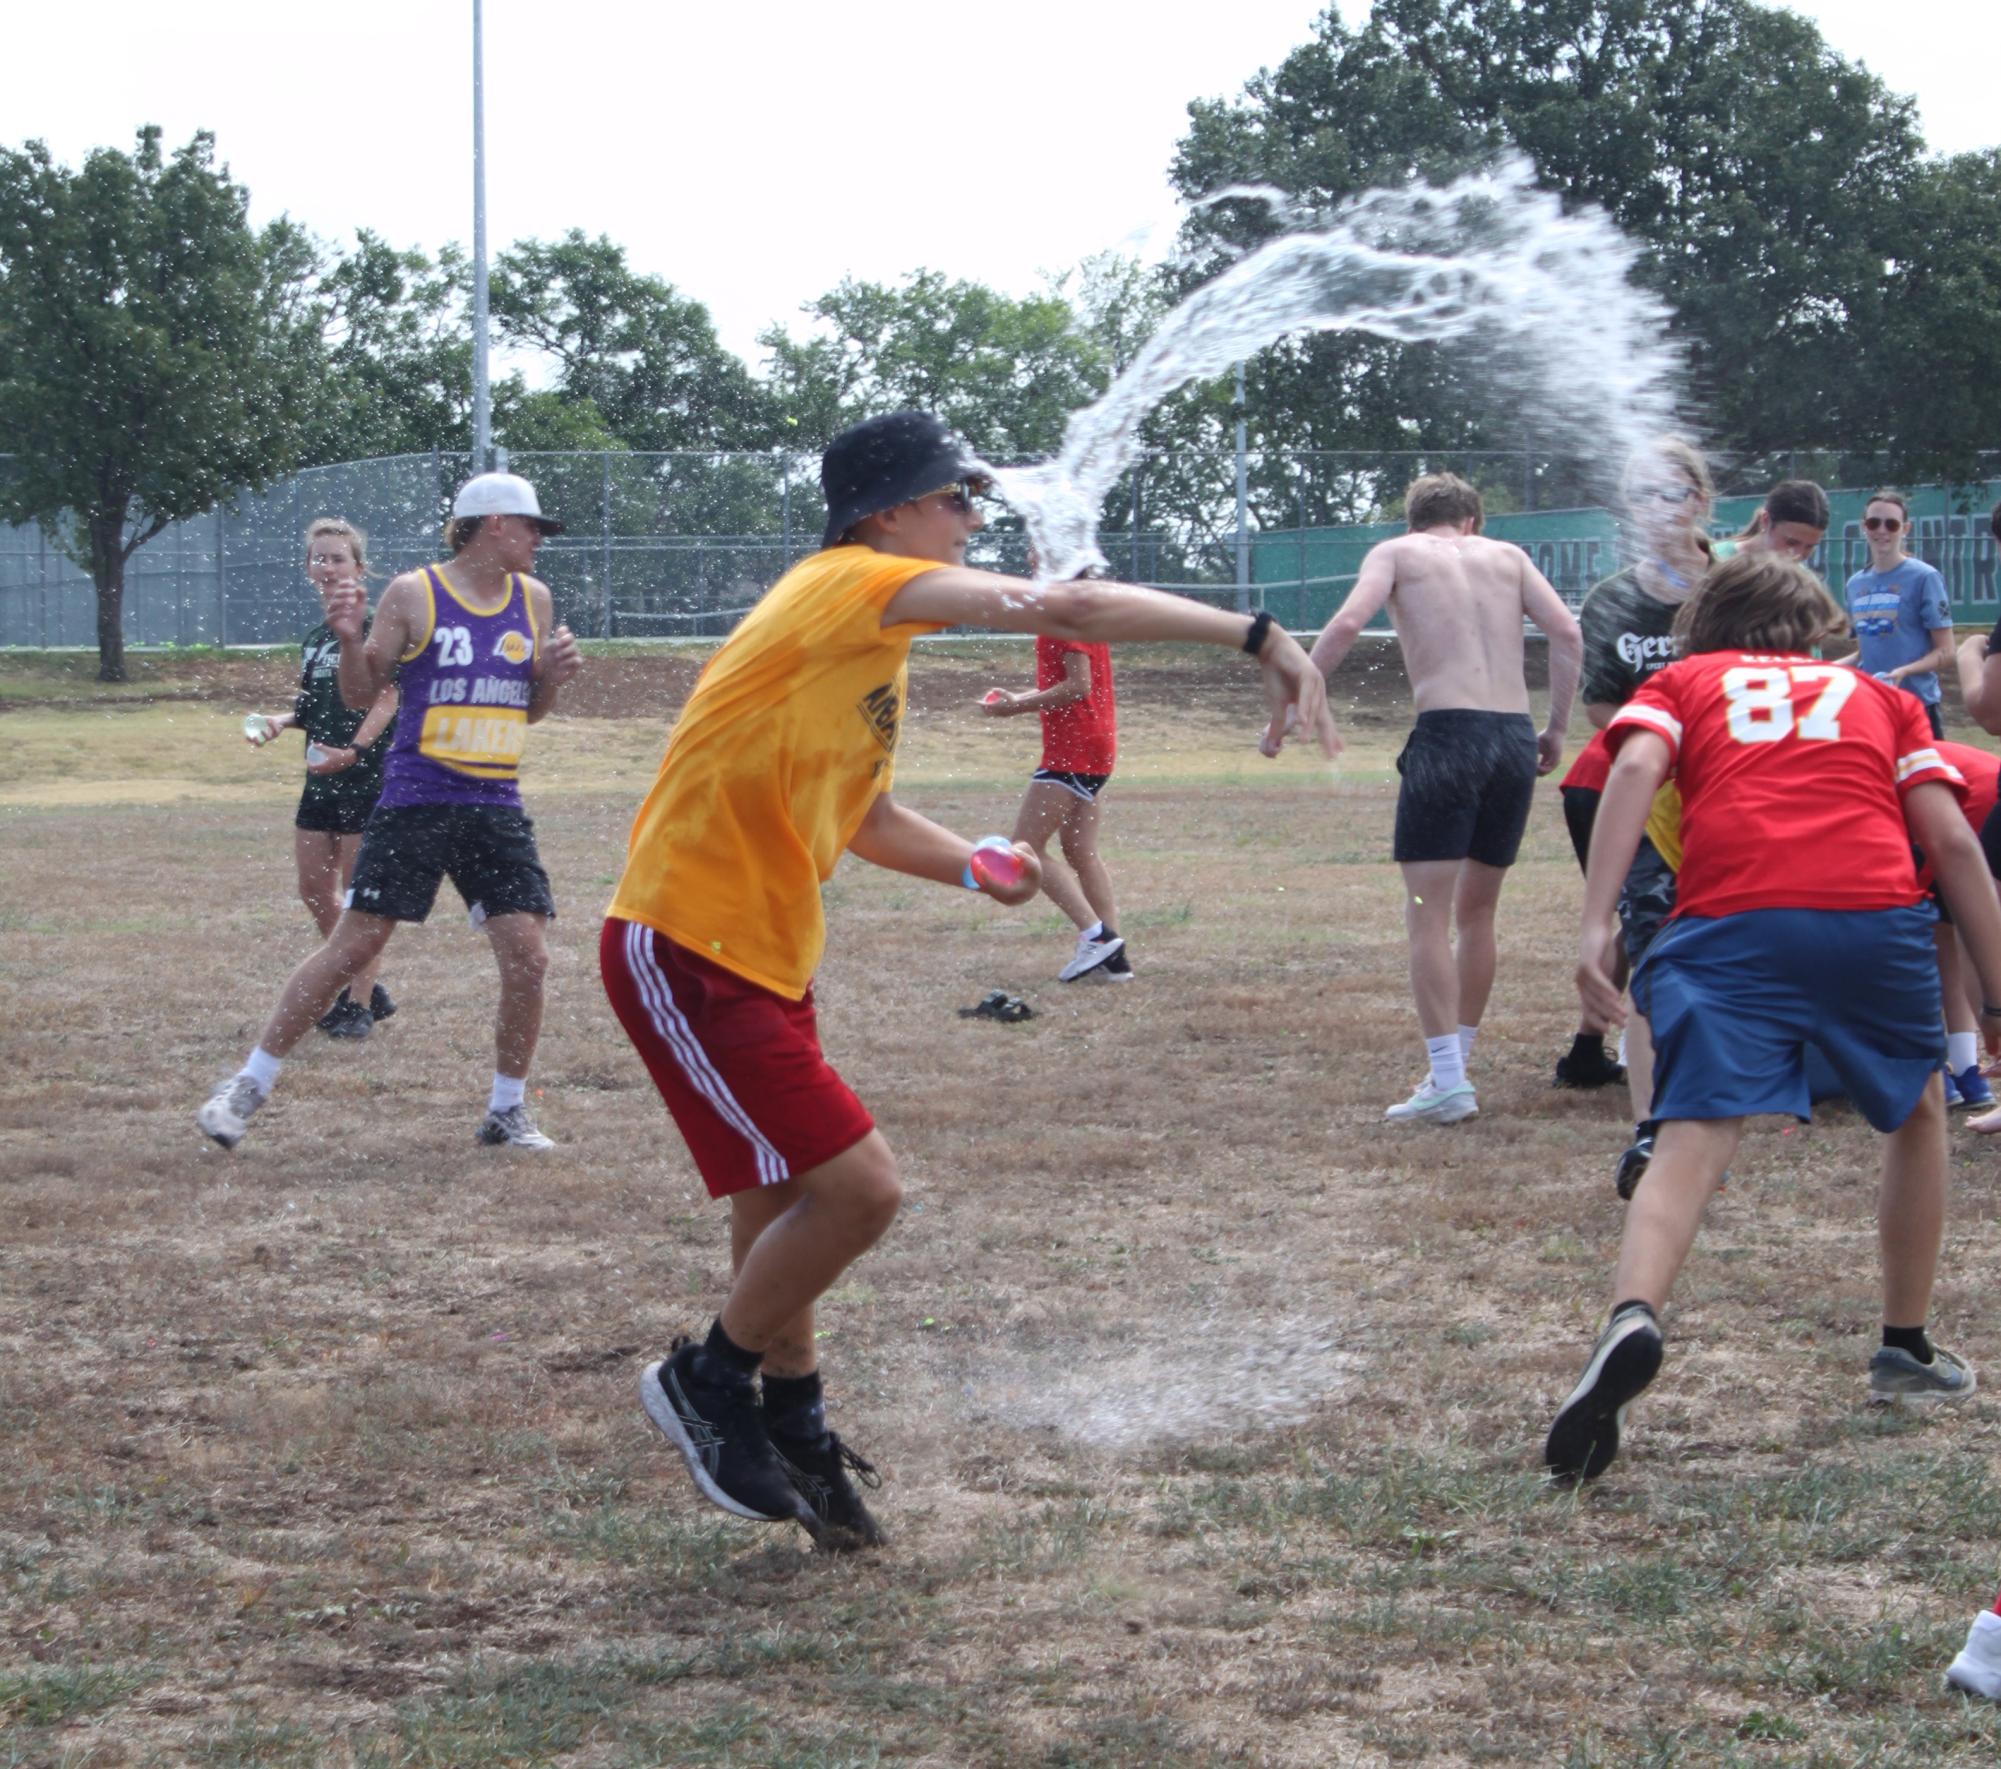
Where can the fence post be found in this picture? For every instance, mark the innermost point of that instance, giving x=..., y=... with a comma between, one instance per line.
x=1132, y=537
x=604, y=460
x=42, y=537
x=1243, y=505
x=221, y=582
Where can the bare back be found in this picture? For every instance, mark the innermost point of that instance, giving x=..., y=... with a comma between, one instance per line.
x=1458, y=604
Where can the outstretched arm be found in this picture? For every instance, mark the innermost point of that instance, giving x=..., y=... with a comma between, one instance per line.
x=1093, y=611
x=1559, y=626
x=1075, y=686
x=1637, y=772
x=900, y=840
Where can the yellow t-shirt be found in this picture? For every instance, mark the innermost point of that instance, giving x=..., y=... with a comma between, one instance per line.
x=781, y=749
x=1664, y=825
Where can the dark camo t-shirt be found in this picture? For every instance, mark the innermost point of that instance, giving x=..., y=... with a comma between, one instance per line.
x=1628, y=635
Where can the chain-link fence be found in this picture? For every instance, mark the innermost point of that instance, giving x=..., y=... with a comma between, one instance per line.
x=681, y=545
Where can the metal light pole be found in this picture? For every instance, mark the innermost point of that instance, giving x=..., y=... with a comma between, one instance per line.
x=482, y=406
x=1243, y=506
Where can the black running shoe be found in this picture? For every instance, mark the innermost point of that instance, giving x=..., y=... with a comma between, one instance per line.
x=1632, y=1166
x=819, y=1472
x=720, y=1433
x=1585, y=1437
x=1590, y=1068
x=335, y=1015
x=380, y=1006
x=350, y=1020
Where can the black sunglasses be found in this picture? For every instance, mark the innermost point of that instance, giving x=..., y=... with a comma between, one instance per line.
x=1888, y=524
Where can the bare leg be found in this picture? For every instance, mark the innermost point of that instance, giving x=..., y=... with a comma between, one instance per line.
x=318, y=858
x=521, y=949
x=1427, y=918
x=1043, y=808
x=1474, y=953
x=364, y=980
x=1080, y=847
x=357, y=941
x=793, y=1244
x=1689, y=1158
x=1910, y=1209
x=1640, y=1065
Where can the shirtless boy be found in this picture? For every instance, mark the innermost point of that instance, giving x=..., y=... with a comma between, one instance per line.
x=1457, y=603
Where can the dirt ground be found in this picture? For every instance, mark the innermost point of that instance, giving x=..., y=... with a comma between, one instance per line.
x=1208, y=1406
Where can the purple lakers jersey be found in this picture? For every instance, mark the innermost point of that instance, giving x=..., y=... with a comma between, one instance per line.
x=463, y=718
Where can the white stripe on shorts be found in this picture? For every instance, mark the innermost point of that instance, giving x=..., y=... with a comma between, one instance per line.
x=679, y=1037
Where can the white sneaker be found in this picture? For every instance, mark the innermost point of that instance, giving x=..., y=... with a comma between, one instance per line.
x=228, y=1109
x=1977, y=1670
x=513, y=1129
x=1434, y=1105
x=1089, y=955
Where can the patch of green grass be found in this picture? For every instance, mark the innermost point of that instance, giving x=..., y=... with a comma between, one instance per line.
x=45, y=1696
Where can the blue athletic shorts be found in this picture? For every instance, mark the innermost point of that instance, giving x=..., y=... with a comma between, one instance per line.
x=1734, y=1000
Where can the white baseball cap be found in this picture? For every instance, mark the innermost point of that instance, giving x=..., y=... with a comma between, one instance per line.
x=502, y=494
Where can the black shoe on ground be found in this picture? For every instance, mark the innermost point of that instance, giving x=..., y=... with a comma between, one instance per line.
x=380, y=1006
x=1589, y=1067
x=1585, y=1437
x=1632, y=1166
x=350, y=1020
x=719, y=1430
x=335, y=1014
x=819, y=1472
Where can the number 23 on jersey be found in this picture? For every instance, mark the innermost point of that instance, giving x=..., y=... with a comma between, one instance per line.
x=1759, y=699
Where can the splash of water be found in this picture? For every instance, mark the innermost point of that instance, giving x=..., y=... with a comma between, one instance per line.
x=1541, y=299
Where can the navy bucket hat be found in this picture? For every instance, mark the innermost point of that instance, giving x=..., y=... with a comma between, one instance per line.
x=882, y=462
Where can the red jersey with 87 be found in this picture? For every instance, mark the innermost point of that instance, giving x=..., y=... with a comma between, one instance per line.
x=1792, y=777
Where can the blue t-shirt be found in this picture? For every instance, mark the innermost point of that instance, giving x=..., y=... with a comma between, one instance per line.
x=1895, y=613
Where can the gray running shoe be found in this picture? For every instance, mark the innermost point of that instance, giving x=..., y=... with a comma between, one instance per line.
x=1897, y=1377
x=1090, y=954
x=1585, y=1437
x=514, y=1128
x=229, y=1108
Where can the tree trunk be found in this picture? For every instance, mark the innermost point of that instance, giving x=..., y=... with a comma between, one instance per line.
x=107, y=572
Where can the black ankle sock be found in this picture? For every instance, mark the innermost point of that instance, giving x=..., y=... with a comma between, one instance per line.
x=1646, y=1308
x=722, y=1360
x=1107, y=932
x=1911, y=1339
x=1588, y=1047
x=795, y=1407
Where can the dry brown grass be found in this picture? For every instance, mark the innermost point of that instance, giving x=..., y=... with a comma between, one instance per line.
x=1211, y=1407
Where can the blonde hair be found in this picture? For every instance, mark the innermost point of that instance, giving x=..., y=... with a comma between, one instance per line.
x=1439, y=498
x=340, y=529
x=1679, y=457
x=1757, y=602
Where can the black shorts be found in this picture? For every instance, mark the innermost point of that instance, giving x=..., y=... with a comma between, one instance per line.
x=1468, y=782
x=1646, y=900
x=1085, y=786
x=488, y=852
x=1990, y=840
x=1580, y=812
x=334, y=809
x=1936, y=718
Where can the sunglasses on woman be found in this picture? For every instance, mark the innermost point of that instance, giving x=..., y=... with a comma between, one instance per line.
x=1888, y=524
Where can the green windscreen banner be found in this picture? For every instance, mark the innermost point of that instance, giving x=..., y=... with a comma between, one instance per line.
x=1304, y=575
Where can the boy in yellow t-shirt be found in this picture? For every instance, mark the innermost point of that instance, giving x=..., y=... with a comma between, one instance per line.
x=780, y=762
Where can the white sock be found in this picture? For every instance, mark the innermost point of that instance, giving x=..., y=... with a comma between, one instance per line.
x=1094, y=930
x=507, y=1092
x=1448, y=1067
x=1466, y=1036
x=1962, y=1051
x=262, y=1068
x=1622, y=1047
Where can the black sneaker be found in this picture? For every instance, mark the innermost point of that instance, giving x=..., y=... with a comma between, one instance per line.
x=819, y=1472
x=1585, y=1437
x=1632, y=1165
x=350, y=1020
x=334, y=1015
x=720, y=1433
x=1588, y=1068
x=380, y=1006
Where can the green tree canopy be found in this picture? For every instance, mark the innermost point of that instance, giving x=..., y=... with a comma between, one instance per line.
x=155, y=351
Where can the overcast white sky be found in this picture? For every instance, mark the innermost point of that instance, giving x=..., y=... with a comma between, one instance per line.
x=754, y=154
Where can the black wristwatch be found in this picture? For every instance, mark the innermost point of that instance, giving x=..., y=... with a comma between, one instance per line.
x=1254, y=638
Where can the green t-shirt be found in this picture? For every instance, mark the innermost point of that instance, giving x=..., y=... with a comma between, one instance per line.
x=328, y=720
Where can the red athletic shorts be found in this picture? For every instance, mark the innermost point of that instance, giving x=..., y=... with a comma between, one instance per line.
x=739, y=1067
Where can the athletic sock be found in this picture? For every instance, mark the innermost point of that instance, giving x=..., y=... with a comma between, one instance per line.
x=1962, y=1051
x=795, y=1407
x=1588, y=1047
x=1466, y=1036
x=722, y=1361
x=262, y=1068
x=1911, y=1339
x=1105, y=933
x=1448, y=1067
x=1096, y=931
x=508, y=1091
x=1621, y=1308
x=1621, y=1057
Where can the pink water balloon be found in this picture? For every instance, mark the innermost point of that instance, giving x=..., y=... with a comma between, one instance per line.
x=995, y=863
